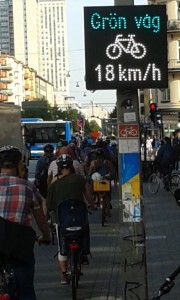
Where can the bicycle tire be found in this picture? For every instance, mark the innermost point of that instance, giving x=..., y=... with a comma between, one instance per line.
x=175, y=182
x=153, y=183
x=74, y=274
x=103, y=212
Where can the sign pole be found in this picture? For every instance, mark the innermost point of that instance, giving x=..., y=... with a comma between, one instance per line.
x=120, y=55
x=132, y=243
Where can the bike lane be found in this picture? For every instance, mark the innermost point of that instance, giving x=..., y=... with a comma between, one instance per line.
x=162, y=240
x=101, y=278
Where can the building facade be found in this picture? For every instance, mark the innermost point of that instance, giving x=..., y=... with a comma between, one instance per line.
x=19, y=83
x=53, y=43
x=168, y=100
x=35, y=32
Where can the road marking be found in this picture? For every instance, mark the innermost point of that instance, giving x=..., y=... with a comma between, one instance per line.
x=156, y=237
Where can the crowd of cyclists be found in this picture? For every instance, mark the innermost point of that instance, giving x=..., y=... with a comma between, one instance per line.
x=66, y=173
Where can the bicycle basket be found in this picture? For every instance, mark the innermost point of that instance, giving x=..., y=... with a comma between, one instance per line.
x=101, y=185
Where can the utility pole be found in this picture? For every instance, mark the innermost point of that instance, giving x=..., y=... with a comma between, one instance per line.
x=132, y=229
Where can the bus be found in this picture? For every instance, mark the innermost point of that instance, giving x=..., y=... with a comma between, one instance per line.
x=37, y=133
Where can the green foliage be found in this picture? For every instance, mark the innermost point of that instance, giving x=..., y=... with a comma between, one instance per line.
x=48, y=113
x=113, y=114
x=91, y=126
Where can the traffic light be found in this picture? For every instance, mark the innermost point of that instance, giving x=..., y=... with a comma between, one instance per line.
x=153, y=109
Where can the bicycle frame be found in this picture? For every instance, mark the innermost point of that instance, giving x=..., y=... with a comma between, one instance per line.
x=73, y=236
x=7, y=284
x=167, y=285
x=131, y=42
x=101, y=188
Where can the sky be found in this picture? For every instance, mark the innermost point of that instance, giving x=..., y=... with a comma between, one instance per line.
x=75, y=26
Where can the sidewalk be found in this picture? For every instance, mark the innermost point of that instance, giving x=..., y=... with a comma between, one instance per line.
x=162, y=230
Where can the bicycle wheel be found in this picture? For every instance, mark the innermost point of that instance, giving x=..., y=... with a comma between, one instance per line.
x=153, y=183
x=74, y=274
x=175, y=182
x=103, y=212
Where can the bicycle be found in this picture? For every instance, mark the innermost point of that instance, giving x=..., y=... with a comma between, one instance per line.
x=7, y=284
x=137, y=50
x=167, y=285
x=101, y=191
x=171, y=180
x=71, y=233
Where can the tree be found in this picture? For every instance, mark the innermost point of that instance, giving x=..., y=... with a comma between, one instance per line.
x=91, y=126
x=113, y=114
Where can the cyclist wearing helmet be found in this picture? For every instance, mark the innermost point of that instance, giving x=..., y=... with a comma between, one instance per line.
x=68, y=186
x=19, y=200
x=41, y=172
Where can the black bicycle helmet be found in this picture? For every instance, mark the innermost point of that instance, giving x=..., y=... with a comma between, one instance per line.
x=64, y=160
x=10, y=156
x=48, y=148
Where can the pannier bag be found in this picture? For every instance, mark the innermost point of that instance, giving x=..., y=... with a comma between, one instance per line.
x=73, y=212
x=16, y=240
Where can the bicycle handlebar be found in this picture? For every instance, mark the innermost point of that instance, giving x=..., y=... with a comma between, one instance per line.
x=168, y=284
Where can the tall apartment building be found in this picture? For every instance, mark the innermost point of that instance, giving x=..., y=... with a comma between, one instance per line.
x=54, y=49
x=35, y=32
x=19, y=31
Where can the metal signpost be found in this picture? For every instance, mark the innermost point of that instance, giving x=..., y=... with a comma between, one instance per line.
x=122, y=45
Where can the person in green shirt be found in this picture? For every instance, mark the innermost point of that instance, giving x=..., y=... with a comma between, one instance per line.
x=66, y=186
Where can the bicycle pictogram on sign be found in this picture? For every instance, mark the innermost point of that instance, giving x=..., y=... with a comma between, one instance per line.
x=127, y=45
x=131, y=131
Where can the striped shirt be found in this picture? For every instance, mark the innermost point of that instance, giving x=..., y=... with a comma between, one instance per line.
x=17, y=198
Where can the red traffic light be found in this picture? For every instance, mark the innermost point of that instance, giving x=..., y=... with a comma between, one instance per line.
x=152, y=106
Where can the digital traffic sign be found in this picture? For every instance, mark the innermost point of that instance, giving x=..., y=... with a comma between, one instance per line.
x=126, y=47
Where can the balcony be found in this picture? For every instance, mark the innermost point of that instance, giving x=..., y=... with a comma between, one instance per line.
x=27, y=97
x=26, y=75
x=173, y=65
x=6, y=92
x=173, y=26
x=5, y=66
x=6, y=79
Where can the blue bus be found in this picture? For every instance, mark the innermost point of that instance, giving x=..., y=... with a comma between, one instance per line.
x=37, y=133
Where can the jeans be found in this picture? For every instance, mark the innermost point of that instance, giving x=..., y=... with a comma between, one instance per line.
x=24, y=277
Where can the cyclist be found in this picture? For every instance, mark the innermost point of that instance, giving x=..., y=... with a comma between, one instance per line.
x=19, y=199
x=67, y=186
x=165, y=157
x=41, y=172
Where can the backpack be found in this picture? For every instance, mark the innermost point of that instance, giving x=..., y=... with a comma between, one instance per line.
x=43, y=178
x=16, y=241
x=73, y=212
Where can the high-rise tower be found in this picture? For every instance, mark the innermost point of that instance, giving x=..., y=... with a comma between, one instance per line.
x=53, y=43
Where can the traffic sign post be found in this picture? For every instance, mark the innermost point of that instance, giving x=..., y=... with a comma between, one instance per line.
x=120, y=54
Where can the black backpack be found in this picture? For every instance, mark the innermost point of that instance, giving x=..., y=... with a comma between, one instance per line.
x=72, y=212
x=43, y=178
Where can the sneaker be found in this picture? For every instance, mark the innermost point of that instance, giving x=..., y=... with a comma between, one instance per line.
x=64, y=279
